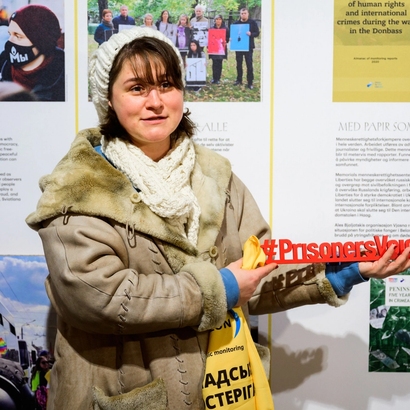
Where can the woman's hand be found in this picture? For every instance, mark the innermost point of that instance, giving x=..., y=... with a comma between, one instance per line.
x=385, y=266
x=248, y=280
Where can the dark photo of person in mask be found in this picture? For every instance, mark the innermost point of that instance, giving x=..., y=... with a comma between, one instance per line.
x=31, y=56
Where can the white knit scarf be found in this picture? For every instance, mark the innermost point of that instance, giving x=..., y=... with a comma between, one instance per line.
x=165, y=185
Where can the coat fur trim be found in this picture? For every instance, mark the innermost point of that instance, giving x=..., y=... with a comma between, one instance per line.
x=326, y=289
x=85, y=183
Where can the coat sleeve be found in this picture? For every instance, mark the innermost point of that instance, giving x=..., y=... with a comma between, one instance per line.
x=288, y=286
x=292, y=286
x=92, y=287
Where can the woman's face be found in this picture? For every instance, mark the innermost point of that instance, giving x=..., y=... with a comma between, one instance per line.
x=183, y=20
x=218, y=22
x=108, y=17
x=165, y=16
x=193, y=47
x=148, y=21
x=148, y=117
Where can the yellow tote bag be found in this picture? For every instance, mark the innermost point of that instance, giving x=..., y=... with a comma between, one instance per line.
x=234, y=375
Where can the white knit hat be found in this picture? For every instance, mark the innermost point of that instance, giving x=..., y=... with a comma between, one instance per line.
x=101, y=62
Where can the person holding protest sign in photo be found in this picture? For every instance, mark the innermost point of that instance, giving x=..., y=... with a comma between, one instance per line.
x=184, y=35
x=164, y=25
x=217, y=47
x=247, y=55
x=143, y=231
x=195, y=66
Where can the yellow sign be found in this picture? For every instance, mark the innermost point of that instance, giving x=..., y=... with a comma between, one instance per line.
x=371, y=56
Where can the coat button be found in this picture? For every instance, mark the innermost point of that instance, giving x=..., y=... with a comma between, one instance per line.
x=213, y=251
x=135, y=198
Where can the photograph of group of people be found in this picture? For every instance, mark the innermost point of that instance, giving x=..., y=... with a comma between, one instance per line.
x=221, y=48
x=32, y=59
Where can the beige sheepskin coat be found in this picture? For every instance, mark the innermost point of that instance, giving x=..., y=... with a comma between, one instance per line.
x=135, y=300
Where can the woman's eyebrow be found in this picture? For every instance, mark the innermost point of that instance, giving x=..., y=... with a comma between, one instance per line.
x=134, y=80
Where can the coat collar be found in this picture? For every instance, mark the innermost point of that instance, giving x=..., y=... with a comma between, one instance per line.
x=85, y=183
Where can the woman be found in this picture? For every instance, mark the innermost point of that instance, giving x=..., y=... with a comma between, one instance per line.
x=143, y=232
x=164, y=25
x=105, y=30
x=196, y=70
x=149, y=21
x=183, y=35
x=39, y=382
x=217, y=59
x=31, y=57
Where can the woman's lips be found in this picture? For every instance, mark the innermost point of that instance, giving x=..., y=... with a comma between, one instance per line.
x=154, y=120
